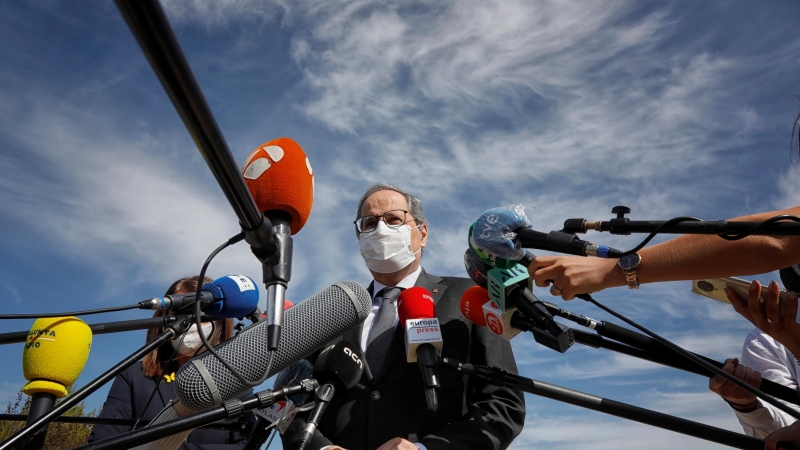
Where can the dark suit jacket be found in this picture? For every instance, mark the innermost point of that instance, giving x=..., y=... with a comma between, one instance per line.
x=130, y=393
x=472, y=414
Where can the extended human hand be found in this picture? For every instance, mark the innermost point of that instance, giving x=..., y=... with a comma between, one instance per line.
x=573, y=275
x=790, y=435
x=398, y=444
x=775, y=317
x=735, y=395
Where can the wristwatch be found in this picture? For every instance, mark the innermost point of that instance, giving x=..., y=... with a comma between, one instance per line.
x=628, y=264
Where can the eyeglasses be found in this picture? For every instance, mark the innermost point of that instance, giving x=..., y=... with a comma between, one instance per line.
x=393, y=219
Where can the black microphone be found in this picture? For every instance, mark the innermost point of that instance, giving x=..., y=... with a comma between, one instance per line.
x=339, y=366
x=423, y=337
x=558, y=241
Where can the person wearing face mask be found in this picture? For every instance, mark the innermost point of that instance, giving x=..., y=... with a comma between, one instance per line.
x=389, y=411
x=142, y=390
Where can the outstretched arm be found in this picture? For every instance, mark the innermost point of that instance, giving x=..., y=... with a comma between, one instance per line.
x=686, y=257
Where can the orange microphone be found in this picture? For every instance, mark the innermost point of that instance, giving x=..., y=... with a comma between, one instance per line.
x=279, y=177
x=281, y=181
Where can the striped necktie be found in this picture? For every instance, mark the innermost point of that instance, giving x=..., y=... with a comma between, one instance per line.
x=380, y=336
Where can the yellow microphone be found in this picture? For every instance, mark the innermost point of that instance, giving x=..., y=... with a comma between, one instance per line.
x=55, y=352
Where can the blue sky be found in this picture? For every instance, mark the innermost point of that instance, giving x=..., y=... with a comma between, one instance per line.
x=671, y=108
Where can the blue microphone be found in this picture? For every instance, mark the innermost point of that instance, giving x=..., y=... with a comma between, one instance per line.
x=226, y=297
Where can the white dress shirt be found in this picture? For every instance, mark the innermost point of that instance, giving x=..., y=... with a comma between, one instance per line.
x=776, y=363
x=377, y=287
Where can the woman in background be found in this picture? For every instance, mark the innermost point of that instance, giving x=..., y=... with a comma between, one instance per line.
x=143, y=390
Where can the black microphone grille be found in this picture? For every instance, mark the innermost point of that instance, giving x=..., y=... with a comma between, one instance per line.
x=205, y=382
x=341, y=364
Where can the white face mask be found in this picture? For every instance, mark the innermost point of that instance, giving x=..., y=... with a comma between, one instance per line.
x=191, y=340
x=387, y=249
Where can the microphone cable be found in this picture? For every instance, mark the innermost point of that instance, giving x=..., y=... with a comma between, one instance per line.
x=199, y=325
x=656, y=231
x=65, y=314
x=758, y=393
x=771, y=220
x=727, y=237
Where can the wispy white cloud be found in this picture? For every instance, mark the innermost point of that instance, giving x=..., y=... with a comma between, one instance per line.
x=111, y=202
x=567, y=108
x=431, y=86
x=220, y=14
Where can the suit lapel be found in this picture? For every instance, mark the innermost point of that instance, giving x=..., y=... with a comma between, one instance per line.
x=433, y=284
x=397, y=349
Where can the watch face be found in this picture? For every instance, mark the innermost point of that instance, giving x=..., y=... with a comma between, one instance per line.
x=629, y=262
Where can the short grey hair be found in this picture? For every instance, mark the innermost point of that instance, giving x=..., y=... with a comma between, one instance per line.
x=414, y=203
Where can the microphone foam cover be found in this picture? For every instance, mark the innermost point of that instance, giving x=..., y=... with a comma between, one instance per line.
x=307, y=326
x=239, y=296
x=340, y=364
x=415, y=303
x=279, y=177
x=472, y=305
x=55, y=352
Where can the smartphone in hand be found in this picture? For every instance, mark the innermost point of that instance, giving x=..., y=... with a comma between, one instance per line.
x=714, y=288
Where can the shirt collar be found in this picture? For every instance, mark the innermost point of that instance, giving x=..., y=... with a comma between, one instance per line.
x=405, y=283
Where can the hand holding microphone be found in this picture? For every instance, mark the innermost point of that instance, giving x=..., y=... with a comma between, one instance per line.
x=505, y=231
x=502, y=301
x=569, y=276
x=483, y=312
x=508, y=289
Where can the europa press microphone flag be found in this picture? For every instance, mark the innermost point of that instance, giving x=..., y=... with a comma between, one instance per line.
x=423, y=336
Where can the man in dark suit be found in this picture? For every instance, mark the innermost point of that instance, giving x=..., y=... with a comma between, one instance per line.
x=389, y=411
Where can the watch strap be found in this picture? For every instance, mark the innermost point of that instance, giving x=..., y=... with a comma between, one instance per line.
x=630, y=277
x=630, y=272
